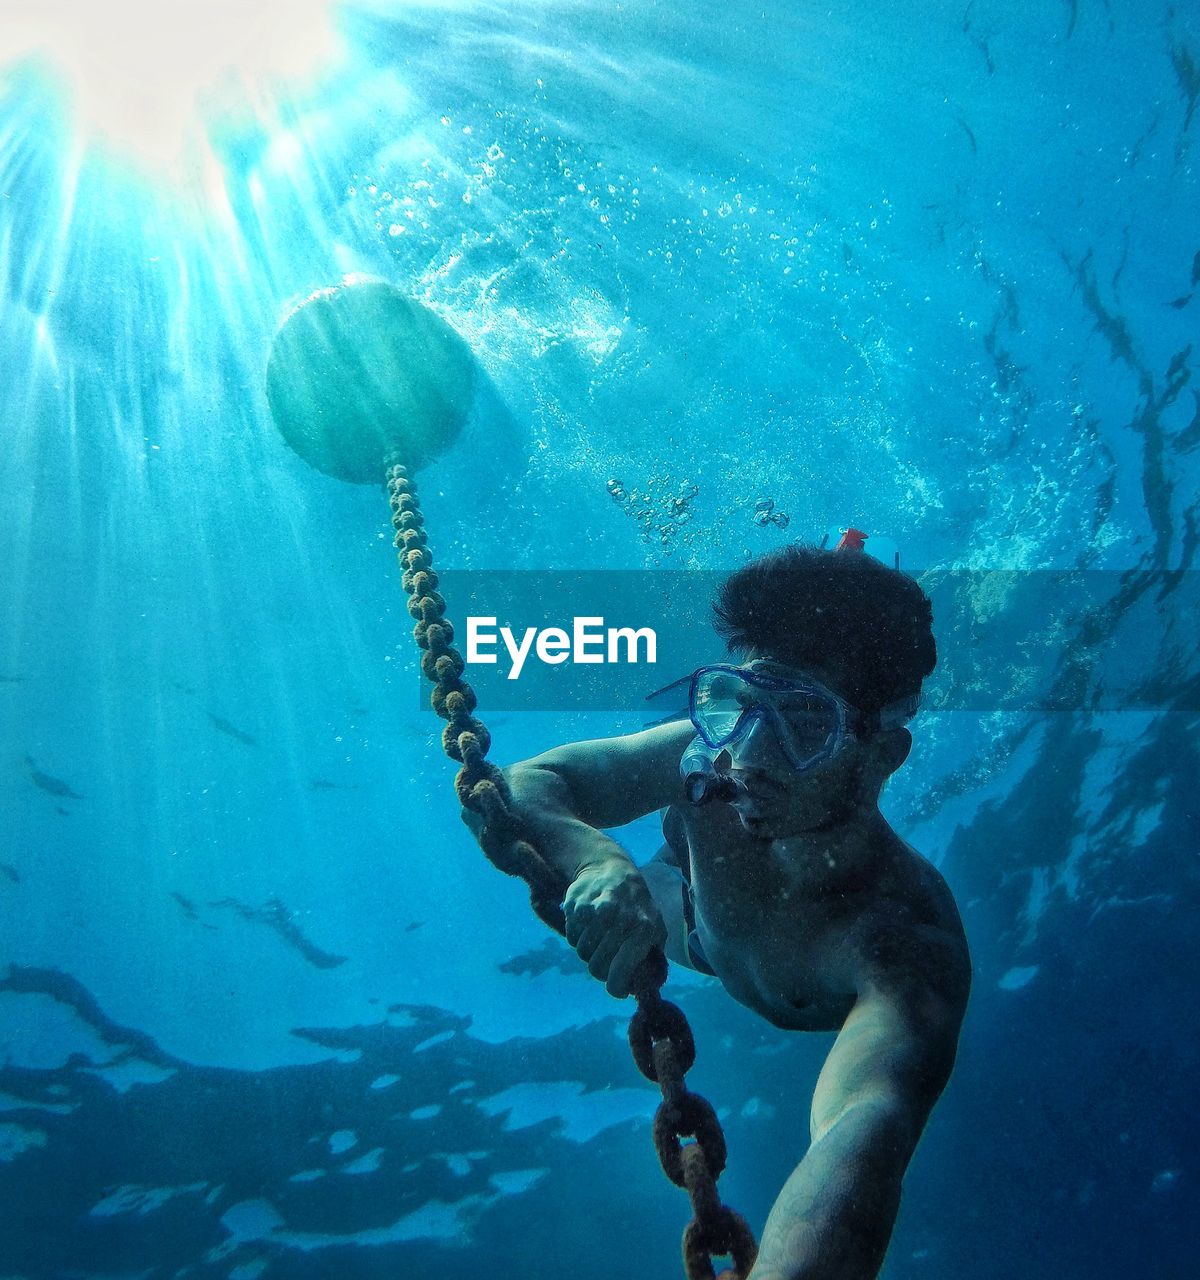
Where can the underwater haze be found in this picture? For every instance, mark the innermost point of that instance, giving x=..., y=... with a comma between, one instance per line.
x=733, y=275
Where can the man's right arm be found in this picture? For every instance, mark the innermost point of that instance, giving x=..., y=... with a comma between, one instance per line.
x=569, y=795
x=565, y=797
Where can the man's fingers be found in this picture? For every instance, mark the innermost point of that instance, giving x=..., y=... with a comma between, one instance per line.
x=594, y=926
x=601, y=959
x=590, y=939
x=580, y=916
x=629, y=955
x=575, y=923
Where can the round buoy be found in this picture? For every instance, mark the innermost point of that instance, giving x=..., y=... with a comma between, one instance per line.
x=360, y=375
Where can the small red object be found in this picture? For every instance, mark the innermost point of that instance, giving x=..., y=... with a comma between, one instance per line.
x=851, y=540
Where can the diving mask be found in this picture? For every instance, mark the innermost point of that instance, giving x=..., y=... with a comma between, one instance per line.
x=808, y=721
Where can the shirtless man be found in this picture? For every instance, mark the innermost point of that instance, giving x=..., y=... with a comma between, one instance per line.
x=782, y=879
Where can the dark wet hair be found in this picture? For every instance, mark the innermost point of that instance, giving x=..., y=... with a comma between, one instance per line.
x=841, y=610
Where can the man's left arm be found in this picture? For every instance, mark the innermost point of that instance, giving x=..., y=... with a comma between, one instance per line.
x=891, y=1060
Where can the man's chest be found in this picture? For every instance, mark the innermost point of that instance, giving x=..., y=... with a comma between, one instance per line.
x=777, y=941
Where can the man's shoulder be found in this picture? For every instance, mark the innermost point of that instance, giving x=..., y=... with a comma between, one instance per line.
x=920, y=886
x=912, y=937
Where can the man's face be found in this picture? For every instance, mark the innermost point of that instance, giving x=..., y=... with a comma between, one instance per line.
x=780, y=800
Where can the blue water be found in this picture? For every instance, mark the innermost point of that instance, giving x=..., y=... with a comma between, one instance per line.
x=267, y=1010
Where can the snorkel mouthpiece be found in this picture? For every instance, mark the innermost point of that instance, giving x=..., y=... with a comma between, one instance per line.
x=701, y=788
x=701, y=781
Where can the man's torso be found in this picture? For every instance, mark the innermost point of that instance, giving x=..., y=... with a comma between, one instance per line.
x=792, y=935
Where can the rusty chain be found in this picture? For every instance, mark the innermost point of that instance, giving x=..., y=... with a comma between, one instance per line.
x=659, y=1035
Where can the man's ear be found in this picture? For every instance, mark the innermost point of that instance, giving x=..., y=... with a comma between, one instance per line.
x=891, y=748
